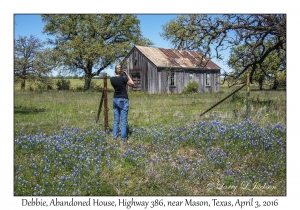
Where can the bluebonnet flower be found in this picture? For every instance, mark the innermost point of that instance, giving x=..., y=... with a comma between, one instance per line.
x=166, y=143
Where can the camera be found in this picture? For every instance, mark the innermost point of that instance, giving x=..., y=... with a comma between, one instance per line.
x=124, y=73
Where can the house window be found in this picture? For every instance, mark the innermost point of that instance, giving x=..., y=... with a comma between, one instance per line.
x=136, y=78
x=207, y=79
x=191, y=76
x=172, y=78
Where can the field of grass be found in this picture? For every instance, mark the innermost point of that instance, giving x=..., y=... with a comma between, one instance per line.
x=60, y=150
x=75, y=84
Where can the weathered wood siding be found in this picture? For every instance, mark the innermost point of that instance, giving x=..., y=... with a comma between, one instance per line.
x=154, y=80
x=182, y=77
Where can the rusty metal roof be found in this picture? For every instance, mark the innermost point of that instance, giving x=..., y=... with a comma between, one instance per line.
x=176, y=58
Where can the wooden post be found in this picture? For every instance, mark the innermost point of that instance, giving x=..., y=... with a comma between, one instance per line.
x=248, y=84
x=248, y=95
x=100, y=106
x=105, y=103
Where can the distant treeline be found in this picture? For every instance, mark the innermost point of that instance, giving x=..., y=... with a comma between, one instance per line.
x=77, y=77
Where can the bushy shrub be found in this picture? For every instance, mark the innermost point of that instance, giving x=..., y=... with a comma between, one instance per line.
x=41, y=87
x=79, y=88
x=44, y=85
x=192, y=87
x=63, y=84
x=96, y=87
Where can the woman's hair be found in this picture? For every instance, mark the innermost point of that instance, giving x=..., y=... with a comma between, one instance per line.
x=118, y=70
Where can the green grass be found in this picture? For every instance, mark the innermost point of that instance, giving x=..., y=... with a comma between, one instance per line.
x=75, y=85
x=60, y=150
x=53, y=109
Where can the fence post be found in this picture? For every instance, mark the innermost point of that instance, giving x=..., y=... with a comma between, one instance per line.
x=100, y=106
x=248, y=95
x=105, y=103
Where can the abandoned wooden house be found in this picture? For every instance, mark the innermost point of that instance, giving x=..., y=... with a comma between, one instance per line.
x=159, y=70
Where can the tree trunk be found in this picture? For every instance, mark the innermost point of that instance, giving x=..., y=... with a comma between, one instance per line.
x=260, y=82
x=22, y=84
x=260, y=85
x=275, y=84
x=87, y=81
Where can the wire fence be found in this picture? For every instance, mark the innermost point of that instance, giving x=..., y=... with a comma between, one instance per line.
x=150, y=109
x=87, y=109
x=153, y=112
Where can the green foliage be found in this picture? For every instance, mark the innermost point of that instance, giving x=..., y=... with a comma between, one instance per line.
x=192, y=87
x=41, y=86
x=92, y=42
x=63, y=84
x=31, y=61
x=269, y=72
x=253, y=37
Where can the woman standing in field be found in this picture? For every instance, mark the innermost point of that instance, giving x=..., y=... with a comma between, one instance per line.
x=120, y=101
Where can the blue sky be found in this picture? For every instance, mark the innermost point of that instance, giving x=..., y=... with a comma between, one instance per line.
x=27, y=24
x=151, y=27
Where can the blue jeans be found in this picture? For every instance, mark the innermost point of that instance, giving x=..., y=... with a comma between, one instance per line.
x=120, y=107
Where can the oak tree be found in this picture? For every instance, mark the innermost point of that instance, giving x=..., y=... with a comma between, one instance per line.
x=31, y=60
x=269, y=72
x=92, y=42
x=214, y=34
